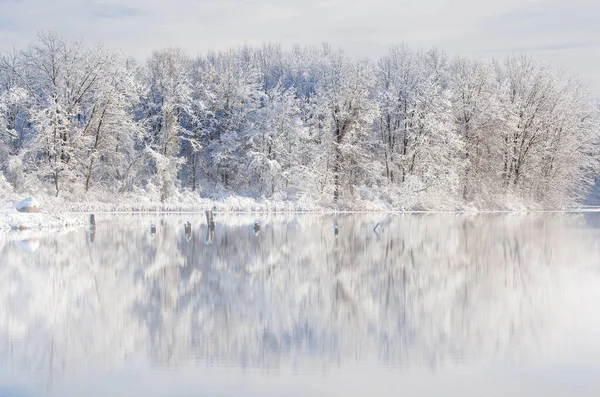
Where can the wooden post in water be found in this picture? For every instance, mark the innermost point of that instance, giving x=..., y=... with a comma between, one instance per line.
x=210, y=220
x=210, y=223
x=92, y=235
x=188, y=230
x=375, y=228
x=256, y=228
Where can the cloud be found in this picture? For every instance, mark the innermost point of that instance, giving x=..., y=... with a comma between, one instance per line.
x=561, y=32
x=330, y=3
x=6, y=23
x=543, y=25
x=549, y=47
x=277, y=13
x=114, y=11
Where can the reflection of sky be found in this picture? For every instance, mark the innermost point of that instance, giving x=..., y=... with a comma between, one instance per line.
x=560, y=32
x=430, y=302
x=351, y=380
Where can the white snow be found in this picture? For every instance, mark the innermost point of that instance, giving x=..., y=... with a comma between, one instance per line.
x=11, y=219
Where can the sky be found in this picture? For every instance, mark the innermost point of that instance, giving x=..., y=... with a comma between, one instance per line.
x=562, y=33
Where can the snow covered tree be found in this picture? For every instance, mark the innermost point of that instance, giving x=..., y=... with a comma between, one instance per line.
x=422, y=149
x=344, y=94
x=110, y=132
x=413, y=130
x=14, y=121
x=550, y=135
x=167, y=106
x=478, y=119
x=13, y=106
x=236, y=97
x=273, y=155
x=59, y=76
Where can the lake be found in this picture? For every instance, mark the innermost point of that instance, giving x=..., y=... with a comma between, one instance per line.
x=379, y=305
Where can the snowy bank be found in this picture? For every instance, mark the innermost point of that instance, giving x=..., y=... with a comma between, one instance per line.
x=192, y=202
x=11, y=219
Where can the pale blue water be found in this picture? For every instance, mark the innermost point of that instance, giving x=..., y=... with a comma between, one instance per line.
x=425, y=305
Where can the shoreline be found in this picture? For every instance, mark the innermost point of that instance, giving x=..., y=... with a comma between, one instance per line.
x=341, y=212
x=12, y=221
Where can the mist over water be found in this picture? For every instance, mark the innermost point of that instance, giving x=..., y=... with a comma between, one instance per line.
x=292, y=305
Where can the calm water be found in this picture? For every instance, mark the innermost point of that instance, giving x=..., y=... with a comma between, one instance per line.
x=436, y=305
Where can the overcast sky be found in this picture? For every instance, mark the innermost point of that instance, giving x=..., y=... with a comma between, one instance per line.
x=563, y=33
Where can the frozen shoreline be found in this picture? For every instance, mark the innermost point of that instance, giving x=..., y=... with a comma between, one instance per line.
x=58, y=213
x=12, y=220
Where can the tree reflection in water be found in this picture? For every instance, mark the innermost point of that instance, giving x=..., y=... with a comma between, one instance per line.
x=417, y=290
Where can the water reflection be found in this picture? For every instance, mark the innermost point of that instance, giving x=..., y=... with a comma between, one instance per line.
x=306, y=292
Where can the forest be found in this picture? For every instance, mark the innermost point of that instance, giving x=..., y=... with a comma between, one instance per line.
x=414, y=129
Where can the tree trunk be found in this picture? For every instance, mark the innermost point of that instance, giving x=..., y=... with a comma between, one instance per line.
x=94, y=150
x=193, y=172
x=337, y=165
x=88, y=177
x=56, y=182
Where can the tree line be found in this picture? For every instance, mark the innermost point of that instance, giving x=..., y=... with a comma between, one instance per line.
x=411, y=129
